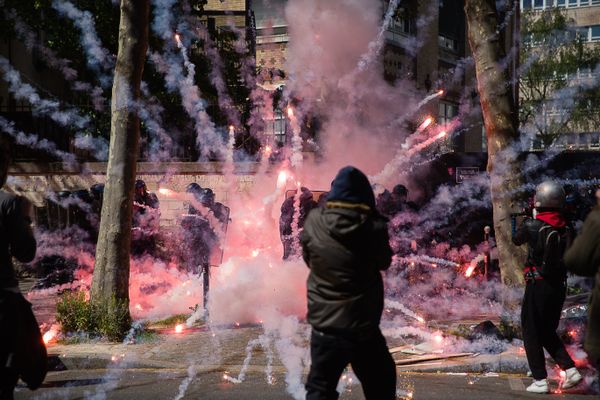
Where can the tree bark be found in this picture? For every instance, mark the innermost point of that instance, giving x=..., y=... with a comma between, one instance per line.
x=499, y=114
x=111, y=271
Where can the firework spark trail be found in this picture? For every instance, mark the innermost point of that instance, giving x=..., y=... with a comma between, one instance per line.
x=296, y=158
x=399, y=306
x=377, y=44
x=296, y=221
x=51, y=108
x=186, y=382
x=242, y=375
x=207, y=137
x=34, y=142
x=98, y=58
x=427, y=260
x=32, y=43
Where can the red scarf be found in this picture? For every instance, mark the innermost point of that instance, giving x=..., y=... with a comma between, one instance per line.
x=553, y=218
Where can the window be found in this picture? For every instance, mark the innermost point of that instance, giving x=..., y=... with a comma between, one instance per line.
x=447, y=42
x=595, y=2
x=447, y=111
x=572, y=3
x=595, y=32
x=561, y=3
x=527, y=4
x=539, y=3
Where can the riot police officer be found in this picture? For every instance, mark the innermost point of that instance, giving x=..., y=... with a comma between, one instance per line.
x=547, y=238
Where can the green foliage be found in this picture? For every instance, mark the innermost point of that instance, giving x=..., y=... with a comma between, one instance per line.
x=78, y=315
x=171, y=321
x=554, y=96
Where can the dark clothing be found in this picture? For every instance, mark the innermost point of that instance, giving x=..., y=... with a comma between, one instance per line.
x=540, y=315
x=352, y=186
x=547, y=238
x=546, y=245
x=346, y=246
x=16, y=236
x=370, y=359
x=345, y=249
x=583, y=258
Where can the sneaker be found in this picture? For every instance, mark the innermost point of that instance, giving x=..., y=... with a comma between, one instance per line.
x=540, y=386
x=572, y=378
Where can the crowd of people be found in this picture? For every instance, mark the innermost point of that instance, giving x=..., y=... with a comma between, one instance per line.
x=344, y=238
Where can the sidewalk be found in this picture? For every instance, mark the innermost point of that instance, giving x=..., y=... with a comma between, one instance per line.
x=226, y=351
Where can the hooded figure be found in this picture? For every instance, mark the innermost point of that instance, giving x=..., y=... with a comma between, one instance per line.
x=547, y=238
x=346, y=246
x=22, y=351
x=583, y=258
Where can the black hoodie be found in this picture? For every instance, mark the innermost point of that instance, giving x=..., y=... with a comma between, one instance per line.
x=346, y=245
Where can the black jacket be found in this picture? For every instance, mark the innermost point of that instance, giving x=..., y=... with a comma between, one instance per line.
x=16, y=236
x=583, y=258
x=546, y=247
x=345, y=248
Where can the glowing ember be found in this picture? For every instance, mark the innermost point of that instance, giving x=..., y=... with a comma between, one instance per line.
x=420, y=319
x=469, y=271
x=179, y=328
x=441, y=134
x=48, y=336
x=231, y=127
x=573, y=333
x=255, y=252
x=139, y=307
x=165, y=192
x=426, y=123
x=440, y=92
x=268, y=150
x=282, y=179
x=177, y=38
x=438, y=338
x=290, y=112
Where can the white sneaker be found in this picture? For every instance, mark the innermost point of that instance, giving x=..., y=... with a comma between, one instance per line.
x=572, y=378
x=540, y=386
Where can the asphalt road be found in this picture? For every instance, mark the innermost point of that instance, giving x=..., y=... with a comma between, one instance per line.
x=170, y=384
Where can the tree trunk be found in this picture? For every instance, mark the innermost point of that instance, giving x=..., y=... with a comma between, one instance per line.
x=111, y=272
x=499, y=113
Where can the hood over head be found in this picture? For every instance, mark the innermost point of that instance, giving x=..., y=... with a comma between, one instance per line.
x=351, y=185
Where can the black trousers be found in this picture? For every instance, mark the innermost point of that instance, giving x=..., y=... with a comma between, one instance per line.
x=540, y=315
x=8, y=380
x=370, y=359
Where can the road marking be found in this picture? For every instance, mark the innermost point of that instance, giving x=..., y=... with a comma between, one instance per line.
x=516, y=383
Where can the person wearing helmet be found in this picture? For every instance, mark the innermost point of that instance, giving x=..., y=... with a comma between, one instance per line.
x=547, y=236
x=146, y=217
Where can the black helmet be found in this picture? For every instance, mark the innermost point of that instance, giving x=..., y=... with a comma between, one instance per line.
x=549, y=194
x=193, y=188
x=207, y=197
x=400, y=190
x=140, y=184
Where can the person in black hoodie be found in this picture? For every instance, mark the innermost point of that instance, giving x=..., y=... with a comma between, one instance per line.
x=22, y=351
x=346, y=246
x=548, y=236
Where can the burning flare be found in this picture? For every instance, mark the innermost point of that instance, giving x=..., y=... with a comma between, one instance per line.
x=179, y=328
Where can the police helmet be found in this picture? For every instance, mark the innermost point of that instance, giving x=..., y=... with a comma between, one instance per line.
x=207, y=196
x=140, y=184
x=193, y=188
x=549, y=194
x=400, y=190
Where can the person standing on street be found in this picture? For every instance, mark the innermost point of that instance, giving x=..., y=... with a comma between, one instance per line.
x=583, y=258
x=346, y=246
x=22, y=351
x=547, y=238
